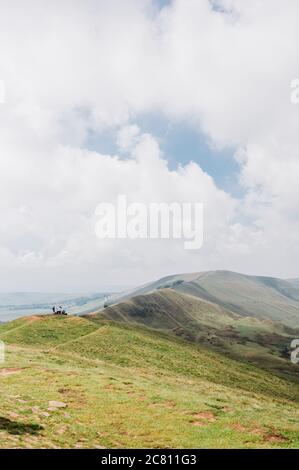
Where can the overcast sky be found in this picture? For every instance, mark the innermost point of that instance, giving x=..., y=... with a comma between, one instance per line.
x=183, y=100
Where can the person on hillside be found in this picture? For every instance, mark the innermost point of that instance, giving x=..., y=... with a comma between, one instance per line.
x=54, y=310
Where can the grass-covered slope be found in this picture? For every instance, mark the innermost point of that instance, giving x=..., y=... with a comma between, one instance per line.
x=245, y=338
x=257, y=296
x=44, y=330
x=79, y=382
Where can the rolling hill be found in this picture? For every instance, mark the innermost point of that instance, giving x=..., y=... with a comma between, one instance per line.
x=256, y=296
x=244, y=338
x=92, y=382
x=196, y=360
x=261, y=297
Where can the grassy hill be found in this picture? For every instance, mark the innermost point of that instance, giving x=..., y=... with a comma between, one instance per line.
x=91, y=382
x=244, y=338
x=256, y=296
x=261, y=297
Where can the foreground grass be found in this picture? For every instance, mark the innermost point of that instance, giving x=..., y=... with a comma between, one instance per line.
x=119, y=386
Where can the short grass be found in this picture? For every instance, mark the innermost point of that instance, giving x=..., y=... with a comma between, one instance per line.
x=127, y=386
x=248, y=339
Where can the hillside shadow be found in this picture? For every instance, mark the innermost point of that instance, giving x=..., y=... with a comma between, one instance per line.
x=19, y=428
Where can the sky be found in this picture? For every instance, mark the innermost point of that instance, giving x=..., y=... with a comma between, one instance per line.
x=179, y=100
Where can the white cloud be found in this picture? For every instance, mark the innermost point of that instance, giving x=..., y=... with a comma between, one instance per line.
x=127, y=137
x=70, y=68
x=49, y=229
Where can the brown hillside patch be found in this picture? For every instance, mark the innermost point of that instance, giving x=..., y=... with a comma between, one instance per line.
x=200, y=424
x=205, y=415
x=274, y=438
x=169, y=404
x=203, y=418
x=142, y=398
x=257, y=430
x=10, y=371
x=65, y=391
x=238, y=427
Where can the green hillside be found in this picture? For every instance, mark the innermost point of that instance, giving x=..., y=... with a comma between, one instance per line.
x=89, y=382
x=257, y=296
x=244, y=338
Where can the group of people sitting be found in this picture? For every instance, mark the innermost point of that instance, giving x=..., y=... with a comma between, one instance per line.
x=59, y=311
